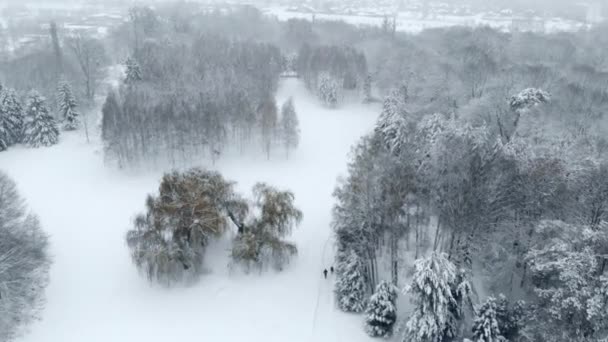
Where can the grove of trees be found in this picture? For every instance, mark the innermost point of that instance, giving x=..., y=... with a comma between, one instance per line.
x=195, y=207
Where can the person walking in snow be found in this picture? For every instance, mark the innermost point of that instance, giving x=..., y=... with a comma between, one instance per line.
x=325, y=273
x=331, y=269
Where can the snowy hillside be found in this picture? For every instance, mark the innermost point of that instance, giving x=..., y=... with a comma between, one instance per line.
x=95, y=293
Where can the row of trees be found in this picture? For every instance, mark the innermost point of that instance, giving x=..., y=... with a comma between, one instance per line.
x=197, y=100
x=192, y=208
x=505, y=200
x=24, y=263
x=33, y=124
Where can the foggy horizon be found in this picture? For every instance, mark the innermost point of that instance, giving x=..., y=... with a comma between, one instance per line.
x=320, y=170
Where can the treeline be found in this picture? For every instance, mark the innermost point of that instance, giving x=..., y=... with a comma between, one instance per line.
x=519, y=204
x=193, y=101
x=329, y=71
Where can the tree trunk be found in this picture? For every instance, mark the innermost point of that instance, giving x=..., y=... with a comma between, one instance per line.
x=437, y=233
x=394, y=259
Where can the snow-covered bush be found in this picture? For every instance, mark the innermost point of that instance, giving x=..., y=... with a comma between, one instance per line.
x=485, y=326
x=381, y=312
x=24, y=263
x=40, y=128
x=350, y=283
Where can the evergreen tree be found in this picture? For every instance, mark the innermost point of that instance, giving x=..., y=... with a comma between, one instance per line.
x=268, y=124
x=40, y=128
x=133, y=72
x=381, y=311
x=11, y=119
x=510, y=319
x=67, y=106
x=392, y=123
x=350, y=283
x=432, y=289
x=328, y=91
x=290, y=132
x=485, y=326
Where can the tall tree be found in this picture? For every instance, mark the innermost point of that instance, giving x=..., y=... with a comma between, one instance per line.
x=434, y=318
x=40, y=128
x=24, y=263
x=67, y=106
x=91, y=56
x=328, y=91
x=290, y=131
x=350, y=286
x=268, y=124
x=56, y=48
x=11, y=119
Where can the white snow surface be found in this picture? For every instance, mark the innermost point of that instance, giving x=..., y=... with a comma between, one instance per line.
x=95, y=292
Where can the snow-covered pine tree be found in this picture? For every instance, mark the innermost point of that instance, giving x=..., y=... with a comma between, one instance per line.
x=40, y=128
x=67, y=106
x=510, y=318
x=392, y=123
x=350, y=283
x=133, y=71
x=290, y=131
x=11, y=119
x=485, y=326
x=433, y=318
x=381, y=311
x=328, y=91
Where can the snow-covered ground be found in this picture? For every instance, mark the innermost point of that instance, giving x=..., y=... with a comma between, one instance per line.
x=96, y=294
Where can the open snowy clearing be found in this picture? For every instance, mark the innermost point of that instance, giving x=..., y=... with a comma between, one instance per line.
x=96, y=294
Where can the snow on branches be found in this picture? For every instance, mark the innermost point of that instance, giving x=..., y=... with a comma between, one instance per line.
x=24, y=263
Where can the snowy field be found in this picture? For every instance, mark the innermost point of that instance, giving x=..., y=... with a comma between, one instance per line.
x=96, y=294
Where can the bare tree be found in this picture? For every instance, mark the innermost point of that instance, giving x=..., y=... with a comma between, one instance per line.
x=91, y=56
x=24, y=263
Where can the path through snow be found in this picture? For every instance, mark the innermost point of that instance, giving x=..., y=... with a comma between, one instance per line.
x=96, y=294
